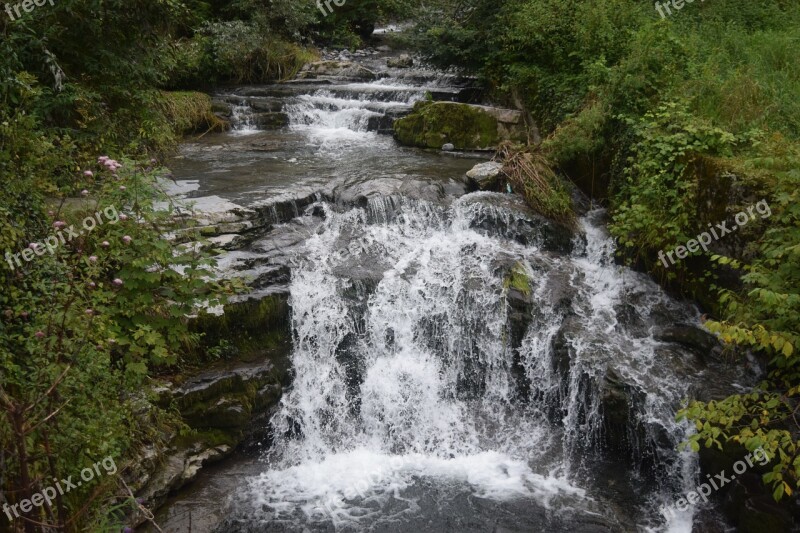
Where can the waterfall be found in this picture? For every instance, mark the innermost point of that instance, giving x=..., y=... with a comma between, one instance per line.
x=242, y=118
x=407, y=374
x=350, y=115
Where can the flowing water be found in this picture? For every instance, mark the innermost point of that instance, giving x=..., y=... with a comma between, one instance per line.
x=457, y=366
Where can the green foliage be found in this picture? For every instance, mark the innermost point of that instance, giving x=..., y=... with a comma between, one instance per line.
x=82, y=327
x=358, y=17
x=235, y=51
x=579, y=135
x=187, y=112
x=655, y=204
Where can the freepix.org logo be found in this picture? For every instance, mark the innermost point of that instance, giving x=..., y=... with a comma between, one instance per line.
x=25, y=6
x=326, y=8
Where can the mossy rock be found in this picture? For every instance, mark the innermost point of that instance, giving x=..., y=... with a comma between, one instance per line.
x=254, y=328
x=518, y=279
x=466, y=127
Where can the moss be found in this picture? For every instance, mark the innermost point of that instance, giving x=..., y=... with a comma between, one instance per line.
x=433, y=124
x=210, y=437
x=189, y=111
x=518, y=279
x=253, y=327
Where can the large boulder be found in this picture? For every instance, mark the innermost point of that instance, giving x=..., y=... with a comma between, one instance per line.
x=507, y=216
x=401, y=61
x=465, y=126
x=705, y=345
x=484, y=176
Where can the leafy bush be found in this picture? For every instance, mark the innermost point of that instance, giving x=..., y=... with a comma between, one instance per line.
x=765, y=317
x=656, y=199
x=235, y=52
x=84, y=326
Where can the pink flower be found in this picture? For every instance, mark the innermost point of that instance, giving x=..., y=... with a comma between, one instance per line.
x=90, y=312
x=88, y=173
x=123, y=216
x=84, y=192
x=126, y=239
x=91, y=284
x=93, y=258
x=117, y=282
x=122, y=187
x=33, y=246
x=58, y=224
x=102, y=159
x=39, y=334
x=105, y=244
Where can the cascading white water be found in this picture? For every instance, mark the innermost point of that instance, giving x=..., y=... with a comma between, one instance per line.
x=405, y=373
x=443, y=352
x=341, y=115
x=242, y=119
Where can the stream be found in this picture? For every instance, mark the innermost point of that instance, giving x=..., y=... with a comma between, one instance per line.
x=459, y=363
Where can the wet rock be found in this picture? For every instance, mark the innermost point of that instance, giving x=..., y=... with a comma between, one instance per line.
x=448, y=147
x=701, y=342
x=176, y=469
x=342, y=69
x=519, y=298
x=169, y=461
x=223, y=398
x=709, y=521
x=285, y=209
x=483, y=176
x=611, y=405
x=268, y=120
x=383, y=122
x=619, y=401
x=401, y=61
x=266, y=105
x=347, y=354
x=222, y=109
x=392, y=189
x=507, y=215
